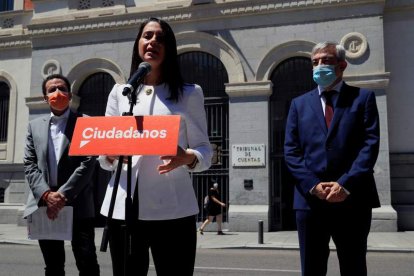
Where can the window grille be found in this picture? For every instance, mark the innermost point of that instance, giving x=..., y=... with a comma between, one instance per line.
x=1, y=195
x=4, y=110
x=209, y=72
x=93, y=94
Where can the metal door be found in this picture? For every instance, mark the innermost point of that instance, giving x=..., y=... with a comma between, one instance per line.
x=93, y=94
x=4, y=110
x=291, y=78
x=209, y=72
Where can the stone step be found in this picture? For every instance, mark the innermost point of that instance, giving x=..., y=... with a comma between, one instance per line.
x=11, y=213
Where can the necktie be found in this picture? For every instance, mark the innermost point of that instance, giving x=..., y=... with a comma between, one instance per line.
x=329, y=110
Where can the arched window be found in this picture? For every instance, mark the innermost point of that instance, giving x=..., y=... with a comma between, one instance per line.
x=291, y=78
x=93, y=94
x=209, y=72
x=4, y=110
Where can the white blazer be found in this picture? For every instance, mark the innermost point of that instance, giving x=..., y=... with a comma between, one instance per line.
x=170, y=195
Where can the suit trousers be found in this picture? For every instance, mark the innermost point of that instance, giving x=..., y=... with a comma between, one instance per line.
x=83, y=247
x=349, y=228
x=165, y=238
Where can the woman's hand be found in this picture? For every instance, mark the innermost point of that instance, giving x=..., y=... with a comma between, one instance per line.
x=183, y=157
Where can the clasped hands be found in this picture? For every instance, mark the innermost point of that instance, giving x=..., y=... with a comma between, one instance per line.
x=55, y=201
x=183, y=157
x=330, y=191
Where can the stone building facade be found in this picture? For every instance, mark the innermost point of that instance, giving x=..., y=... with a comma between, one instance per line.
x=261, y=45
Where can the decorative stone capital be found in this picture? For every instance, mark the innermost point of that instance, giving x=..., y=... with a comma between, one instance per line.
x=249, y=89
x=36, y=103
x=370, y=81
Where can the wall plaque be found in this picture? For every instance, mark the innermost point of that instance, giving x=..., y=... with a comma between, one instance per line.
x=248, y=155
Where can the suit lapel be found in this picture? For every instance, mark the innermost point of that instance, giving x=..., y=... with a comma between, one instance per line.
x=316, y=105
x=43, y=133
x=67, y=137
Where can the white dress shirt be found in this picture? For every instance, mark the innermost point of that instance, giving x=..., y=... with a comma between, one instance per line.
x=170, y=195
x=56, y=133
x=337, y=88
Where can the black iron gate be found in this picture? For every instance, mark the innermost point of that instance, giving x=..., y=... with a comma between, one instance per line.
x=4, y=110
x=208, y=71
x=94, y=93
x=291, y=78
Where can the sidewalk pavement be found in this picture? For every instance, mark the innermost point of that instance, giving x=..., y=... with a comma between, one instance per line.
x=377, y=241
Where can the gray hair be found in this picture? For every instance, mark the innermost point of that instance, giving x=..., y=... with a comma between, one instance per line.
x=340, y=50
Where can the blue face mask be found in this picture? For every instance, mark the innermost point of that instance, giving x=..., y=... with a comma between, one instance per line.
x=324, y=75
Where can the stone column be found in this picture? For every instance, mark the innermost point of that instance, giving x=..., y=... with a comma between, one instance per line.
x=248, y=125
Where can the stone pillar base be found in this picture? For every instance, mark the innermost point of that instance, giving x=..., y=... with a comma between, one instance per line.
x=10, y=213
x=244, y=218
x=384, y=219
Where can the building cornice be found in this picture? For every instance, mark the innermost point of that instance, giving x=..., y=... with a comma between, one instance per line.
x=115, y=18
x=18, y=41
x=398, y=5
x=121, y=17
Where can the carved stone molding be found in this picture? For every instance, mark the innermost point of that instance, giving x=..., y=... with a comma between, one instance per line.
x=51, y=67
x=370, y=81
x=355, y=44
x=246, y=89
x=84, y=4
x=133, y=16
x=8, y=23
x=282, y=5
x=121, y=17
x=15, y=43
x=36, y=103
x=216, y=46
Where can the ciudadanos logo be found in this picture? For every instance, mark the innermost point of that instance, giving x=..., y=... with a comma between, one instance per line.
x=96, y=133
x=126, y=135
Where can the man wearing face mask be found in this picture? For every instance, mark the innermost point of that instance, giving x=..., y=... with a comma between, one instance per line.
x=331, y=146
x=57, y=179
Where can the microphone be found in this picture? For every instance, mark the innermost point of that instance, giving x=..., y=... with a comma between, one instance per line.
x=143, y=69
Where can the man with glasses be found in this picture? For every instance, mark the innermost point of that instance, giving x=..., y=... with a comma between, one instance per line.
x=331, y=146
x=57, y=180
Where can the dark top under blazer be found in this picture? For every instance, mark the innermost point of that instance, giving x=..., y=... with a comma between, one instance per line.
x=346, y=153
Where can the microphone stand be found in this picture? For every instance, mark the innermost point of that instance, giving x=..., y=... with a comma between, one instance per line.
x=126, y=228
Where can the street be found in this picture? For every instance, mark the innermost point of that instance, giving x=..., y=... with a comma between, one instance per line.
x=25, y=260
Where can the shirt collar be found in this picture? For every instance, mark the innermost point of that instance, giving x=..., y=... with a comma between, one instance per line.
x=62, y=117
x=337, y=87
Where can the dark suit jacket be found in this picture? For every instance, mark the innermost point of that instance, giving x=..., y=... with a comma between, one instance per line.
x=345, y=154
x=74, y=172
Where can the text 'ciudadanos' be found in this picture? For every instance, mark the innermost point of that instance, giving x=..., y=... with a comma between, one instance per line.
x=126, y=135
